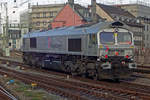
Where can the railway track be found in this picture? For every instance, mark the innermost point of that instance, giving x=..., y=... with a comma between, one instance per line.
x=144, y=66
x=143, y=69
x=5, y=95
x=76, y=90
x=140, y=68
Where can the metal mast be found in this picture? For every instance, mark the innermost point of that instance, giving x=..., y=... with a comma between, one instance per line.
x=5, y=48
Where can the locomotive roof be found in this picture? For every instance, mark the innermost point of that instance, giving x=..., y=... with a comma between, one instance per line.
x=73, y=30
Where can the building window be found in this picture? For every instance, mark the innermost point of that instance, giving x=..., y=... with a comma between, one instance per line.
x=25, y=31
x=44, y=14
x=86, y=14
x=15, y=36
x=37, y=28
x=147, y=37
x=38, y=15
x=10, y=36
x=14, y=46
x=14, y=41
x=51, y=14
x=37, y=23
x=144, y=27
x=44, y=23
x=24, y=42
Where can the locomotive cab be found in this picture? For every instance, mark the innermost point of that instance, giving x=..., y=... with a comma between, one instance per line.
x=116, y=52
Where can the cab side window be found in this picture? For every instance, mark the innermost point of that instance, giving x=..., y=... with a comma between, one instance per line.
x=92, y=39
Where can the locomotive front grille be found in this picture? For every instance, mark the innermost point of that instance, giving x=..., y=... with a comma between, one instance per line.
x=113, y=52
x=116, y=59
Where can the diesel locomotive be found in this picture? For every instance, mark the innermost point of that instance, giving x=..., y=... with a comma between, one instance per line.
x=104, y=50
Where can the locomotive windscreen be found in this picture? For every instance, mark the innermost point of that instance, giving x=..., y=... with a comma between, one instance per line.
x=124, y=38
x=121, y=37
x=107, y=38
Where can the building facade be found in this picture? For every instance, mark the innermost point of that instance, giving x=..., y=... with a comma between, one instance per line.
x=14, y=32
x=146, y=22
x=141, y=12
x=43, y=15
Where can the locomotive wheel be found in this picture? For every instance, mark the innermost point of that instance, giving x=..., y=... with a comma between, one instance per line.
x=95, y=77
x=74, y=73
x=42, y=64
x=80, y=68
x=68, y=66
x=25, y=61
x=116, y=80
x=83, y=75
x=29, y=58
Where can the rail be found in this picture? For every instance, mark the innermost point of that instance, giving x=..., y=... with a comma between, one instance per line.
x=4, y=93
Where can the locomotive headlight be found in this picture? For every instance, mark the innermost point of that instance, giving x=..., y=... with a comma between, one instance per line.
x=103, y=52
x=129, y=52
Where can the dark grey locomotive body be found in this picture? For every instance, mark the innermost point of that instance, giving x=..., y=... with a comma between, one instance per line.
x=102, y=50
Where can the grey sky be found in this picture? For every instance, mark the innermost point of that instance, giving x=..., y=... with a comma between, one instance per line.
x=86, y=2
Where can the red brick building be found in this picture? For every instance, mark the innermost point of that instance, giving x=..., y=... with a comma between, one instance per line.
x=71, y=15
